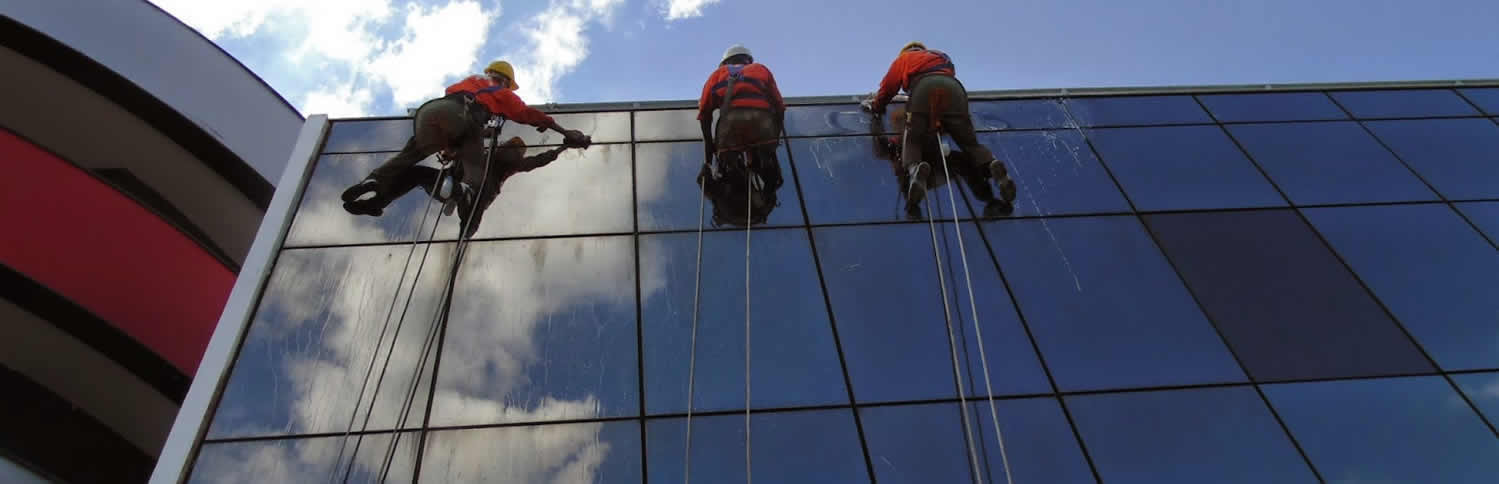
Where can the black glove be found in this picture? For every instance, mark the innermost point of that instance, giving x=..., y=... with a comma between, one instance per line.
x=573, y=138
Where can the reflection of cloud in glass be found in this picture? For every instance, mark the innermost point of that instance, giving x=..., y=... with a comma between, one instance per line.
x=303, y=460
x=595, y=452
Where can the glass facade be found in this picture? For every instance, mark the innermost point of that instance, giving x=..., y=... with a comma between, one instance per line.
x=1236, y=287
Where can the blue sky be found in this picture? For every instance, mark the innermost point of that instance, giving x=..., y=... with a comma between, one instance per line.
x=374, y=57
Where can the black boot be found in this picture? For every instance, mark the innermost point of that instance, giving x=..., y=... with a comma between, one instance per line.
x=364, y=186
x=916, y=188
x=1002, y=178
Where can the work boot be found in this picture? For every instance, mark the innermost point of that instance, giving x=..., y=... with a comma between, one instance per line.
x=372, y=207
x=916, y=189
x=1002, y=178
x=364, y=186
x=468, y=215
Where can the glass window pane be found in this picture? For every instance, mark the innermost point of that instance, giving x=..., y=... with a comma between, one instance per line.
x=1095, y=332
x=925, y=443
x=794, y=359
x=669, y=196
x=1135, y=110
x=1431, y=269
x=842, y=180
x=367, y=135
x=611, y=127
x=1485, y=215
x=888, y=306
x=308, y=460
x=828, y=119
x=540, y=330
x=592, y=452
x=316, y=341
x=1483, y=390
x=1322, y=163
x=1019, y=114
x=1287, y=307
x=676, y=124
x=1289, y=106
x=583, y=191
x=785, y=447
x=1460, y=157
x=1186, y=436
x=1403, y=103
x=1182, y=168
x=1388, y=430
x=1486, y=99
x=1055, y=173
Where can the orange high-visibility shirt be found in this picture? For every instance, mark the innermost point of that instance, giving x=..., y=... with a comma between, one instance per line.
x=909, y=65
x=500, y=101
x=756, y=89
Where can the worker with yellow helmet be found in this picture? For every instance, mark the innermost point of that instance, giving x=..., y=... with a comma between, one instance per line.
x=938, y=103
x=454, y=124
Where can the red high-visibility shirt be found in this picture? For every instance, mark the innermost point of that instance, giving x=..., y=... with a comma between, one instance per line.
x=500, y=101
x=909, y=65
x=756, y=88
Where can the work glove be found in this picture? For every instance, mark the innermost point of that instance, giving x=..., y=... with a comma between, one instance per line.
x=573, y=138
x=868, y=106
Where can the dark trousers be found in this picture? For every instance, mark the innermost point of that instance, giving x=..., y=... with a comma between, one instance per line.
x=444, y=123
x=940, y=104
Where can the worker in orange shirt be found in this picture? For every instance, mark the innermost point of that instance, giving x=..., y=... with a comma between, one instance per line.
x=744, y=143
x=937, y=103
x=454, y=124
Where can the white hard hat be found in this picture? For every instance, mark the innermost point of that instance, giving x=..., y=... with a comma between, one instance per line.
x=735, y=50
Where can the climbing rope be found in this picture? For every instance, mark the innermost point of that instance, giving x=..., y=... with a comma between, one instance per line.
x=973, y=310
x=749, y=213
x=692, y=357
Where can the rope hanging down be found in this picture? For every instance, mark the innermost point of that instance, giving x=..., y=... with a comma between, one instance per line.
x=749, y=209
x=692, y=356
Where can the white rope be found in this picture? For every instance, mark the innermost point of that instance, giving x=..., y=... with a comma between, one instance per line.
x=692, y=356
x=973, y=309
x=749, y=213
x=952, y=344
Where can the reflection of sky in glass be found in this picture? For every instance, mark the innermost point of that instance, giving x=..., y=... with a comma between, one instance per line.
x=1388, y=430
x=885, y=296
x=1404, y=103
x=1320, y=163
x=843, y=181
x=829, y=119
x=540, y=330
x=1484, y=215
x=668, y=125
x=1286, y=106
x=1486, y=98
x=1182, y=168
x=306, y=460
x=369, y=135
x=1094, y=331
x=1437, y=275
x=666, y=177
x=583, y=191
x=594, y=453
x=1055, y=173
x=318, y=326
x=1460, y=157
x=925, y=443
x=1019, y=114
x=812, y=447
x=391, y=134
x=1483, y=390
x=1135, y=110
x=1186, y=436
x=795, y=361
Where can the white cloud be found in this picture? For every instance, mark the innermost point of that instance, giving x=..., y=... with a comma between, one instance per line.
x=685, y=9
x=555, y=44
x=437, y=45
x=342, y=101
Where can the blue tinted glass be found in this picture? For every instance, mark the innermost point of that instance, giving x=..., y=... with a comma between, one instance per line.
x=925, y=443
x=317, y=330
x=1485, y=215
x=1460, y=157
x=1286, y=305
x=582, y=191
x=593, y=452
x=1388, y=430
x=1321, y=163
x=844, y=181
x=668, y=194
x=1290, y=106
x=1403, y=103
x=790, y=447
x=1439, y=276
x=1483, y=390
x=1019, y=114
x=676, y=124
x=1186, y=436
x=600, y=127
x=1055, y=173
x=1135, y=111
x=828, y=119
x=1094, y=331
x=308, y=460
x=888, y=306
x=1486, y=99
x=795, y=361
x=1182, y=168
x=371, y=135
x=540, y=330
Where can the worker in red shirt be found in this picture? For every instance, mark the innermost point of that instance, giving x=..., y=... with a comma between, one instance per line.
x=454, y=124
x=937, y=103
x=744, y=143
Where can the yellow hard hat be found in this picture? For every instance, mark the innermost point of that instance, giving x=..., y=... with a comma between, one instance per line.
x=503, y=67
x=913, y=43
